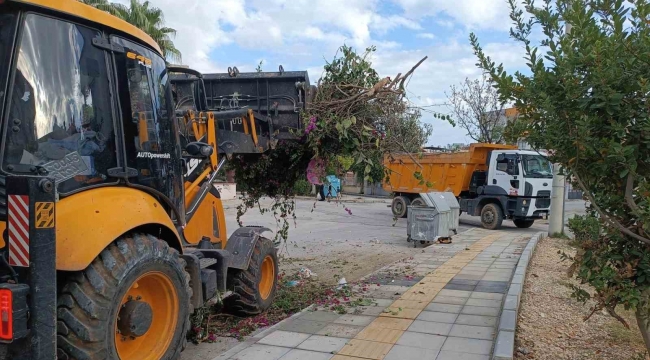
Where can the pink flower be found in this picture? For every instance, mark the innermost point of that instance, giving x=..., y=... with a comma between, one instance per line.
x=311, y=126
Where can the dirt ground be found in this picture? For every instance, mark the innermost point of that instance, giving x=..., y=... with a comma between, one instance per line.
x=350, y=261
x=550, y=323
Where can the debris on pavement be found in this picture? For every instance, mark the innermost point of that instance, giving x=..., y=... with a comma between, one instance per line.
x=305, y=273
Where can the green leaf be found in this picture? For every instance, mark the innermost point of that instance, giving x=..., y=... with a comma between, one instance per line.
x=624, y=173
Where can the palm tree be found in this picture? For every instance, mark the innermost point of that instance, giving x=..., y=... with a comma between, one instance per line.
x=148, y=19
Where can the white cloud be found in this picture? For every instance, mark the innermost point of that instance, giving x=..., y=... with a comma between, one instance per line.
x=303, y=34
x=198, y=29
x=448, y=64
x=426, y=36
x=470, y=13
x=382, y=24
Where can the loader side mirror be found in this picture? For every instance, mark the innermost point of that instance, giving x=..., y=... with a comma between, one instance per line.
x=199, y=149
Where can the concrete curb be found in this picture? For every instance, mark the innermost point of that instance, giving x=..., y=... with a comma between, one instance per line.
x=255, y=338
x=504, y=348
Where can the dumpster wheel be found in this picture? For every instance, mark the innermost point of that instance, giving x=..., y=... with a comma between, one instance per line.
x=132, y=302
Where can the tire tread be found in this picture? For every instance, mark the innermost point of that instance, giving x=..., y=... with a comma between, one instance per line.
x=86, y=299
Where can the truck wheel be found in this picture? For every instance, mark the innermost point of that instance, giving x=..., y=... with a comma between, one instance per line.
x=132, y=302
x=254, y=288
x=491, y=216
x=523, y=223
x=400, y=205
x=418, y=202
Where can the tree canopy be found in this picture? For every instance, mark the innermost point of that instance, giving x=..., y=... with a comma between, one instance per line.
x=478, y=110
x=145, y=17
x=586, y=100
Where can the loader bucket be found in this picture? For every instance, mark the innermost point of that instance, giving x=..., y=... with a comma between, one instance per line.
x=280, y=96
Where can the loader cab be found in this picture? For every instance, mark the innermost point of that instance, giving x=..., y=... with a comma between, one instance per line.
x=85, y=104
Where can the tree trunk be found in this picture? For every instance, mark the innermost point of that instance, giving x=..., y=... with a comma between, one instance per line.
x=643, y=318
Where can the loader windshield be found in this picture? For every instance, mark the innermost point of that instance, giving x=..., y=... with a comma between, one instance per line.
x=60, y=119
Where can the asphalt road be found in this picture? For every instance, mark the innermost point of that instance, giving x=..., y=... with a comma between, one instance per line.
x=323, y=221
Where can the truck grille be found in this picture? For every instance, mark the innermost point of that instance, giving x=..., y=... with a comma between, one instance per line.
x=543, y=200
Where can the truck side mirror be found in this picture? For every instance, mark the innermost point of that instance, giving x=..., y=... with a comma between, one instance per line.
x=199, y=149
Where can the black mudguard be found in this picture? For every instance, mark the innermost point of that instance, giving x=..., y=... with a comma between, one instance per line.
x=241, y=244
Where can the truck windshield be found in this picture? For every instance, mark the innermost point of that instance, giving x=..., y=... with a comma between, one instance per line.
x=537, y=166
x=60, y=116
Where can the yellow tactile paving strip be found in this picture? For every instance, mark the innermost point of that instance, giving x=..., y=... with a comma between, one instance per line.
x=376, y=340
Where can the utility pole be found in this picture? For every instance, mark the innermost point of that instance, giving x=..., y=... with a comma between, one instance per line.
x=556, y=219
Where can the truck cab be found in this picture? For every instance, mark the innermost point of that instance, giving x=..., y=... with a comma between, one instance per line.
x=517, y=184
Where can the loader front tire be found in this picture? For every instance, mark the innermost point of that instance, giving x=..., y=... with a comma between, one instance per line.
x=254, y=288
x=132, y=302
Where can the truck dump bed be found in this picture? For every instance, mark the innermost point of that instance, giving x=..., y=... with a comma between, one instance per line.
x=446, y=171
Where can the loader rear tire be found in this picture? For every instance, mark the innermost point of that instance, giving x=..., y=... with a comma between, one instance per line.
x=132, y=302
x=254, y=288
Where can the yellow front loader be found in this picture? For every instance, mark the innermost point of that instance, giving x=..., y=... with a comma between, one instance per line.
x=112, y=230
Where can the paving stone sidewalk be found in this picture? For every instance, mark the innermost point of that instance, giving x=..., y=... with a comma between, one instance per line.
x=449, y=308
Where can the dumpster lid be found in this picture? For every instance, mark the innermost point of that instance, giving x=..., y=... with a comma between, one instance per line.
x=437, y=200
x=451, y=199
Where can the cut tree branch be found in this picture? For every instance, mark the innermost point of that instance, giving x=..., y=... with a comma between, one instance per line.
x=410, y=72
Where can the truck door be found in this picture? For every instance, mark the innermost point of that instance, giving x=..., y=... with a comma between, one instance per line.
x=504, y=176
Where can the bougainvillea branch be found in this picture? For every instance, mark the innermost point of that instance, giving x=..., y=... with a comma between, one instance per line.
x=354, y=117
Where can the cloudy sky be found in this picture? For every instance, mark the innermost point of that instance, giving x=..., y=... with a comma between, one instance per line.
x=302, y=34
